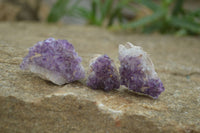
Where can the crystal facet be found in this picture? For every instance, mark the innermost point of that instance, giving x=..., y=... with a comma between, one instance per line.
x=137, y=71
x=103, y=74
x=54, y=60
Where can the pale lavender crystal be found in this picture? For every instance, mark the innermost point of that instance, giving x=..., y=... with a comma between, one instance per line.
x=137, y=71
x=103, y=74
x=54, y=60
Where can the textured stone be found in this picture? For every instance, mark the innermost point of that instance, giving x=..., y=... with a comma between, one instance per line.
x=30, y=104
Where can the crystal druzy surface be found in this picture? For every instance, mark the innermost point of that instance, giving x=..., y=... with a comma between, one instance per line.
x=137, y=71
x=103, y=74
x=54, y=60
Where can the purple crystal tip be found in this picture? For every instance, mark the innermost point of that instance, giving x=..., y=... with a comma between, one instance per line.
x=137, y=71
x=54, y=60
x=103, y=74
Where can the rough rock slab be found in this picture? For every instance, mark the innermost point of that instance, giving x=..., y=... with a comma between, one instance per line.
x=30, y=104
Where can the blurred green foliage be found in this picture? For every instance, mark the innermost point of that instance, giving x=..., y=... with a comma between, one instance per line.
x=60, y=8
x=102, y=11
x=105, y=12
x=178, y=20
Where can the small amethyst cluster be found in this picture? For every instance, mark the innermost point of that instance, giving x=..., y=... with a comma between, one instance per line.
x=137, y=71
x=103, y=74
x=54, y=60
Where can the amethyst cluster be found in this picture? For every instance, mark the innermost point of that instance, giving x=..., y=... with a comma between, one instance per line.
x=103, y=74
x=137, y=71
x=54, y=60
x=57, y=61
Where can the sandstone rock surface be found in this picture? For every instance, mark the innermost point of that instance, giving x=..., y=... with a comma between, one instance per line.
x=30, y=104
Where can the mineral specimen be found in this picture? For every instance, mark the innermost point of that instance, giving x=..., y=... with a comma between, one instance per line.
x=54, y=60
x=137, y=71
x=103, y=74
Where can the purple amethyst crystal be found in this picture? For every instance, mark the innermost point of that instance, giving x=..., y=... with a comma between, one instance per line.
x=103, y=74
x=54, y=60
x=137, y=71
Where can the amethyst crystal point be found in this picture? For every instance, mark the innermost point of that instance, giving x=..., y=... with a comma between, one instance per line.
x=54, y=60
x=137, y=71
x=103, y=74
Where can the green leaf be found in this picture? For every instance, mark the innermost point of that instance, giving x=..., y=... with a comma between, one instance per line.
x=123, y=3
x=184, y=23
x=146, y=20
x=93, y=12
x=181, y=32
x=149, y=3
x=166, y=3
x=57, y=11
x=105, y=8
x=153, y=27
x=178, y=7
x=83, y=12
x=117, y=12
x=113, y=16
x=195, y=13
